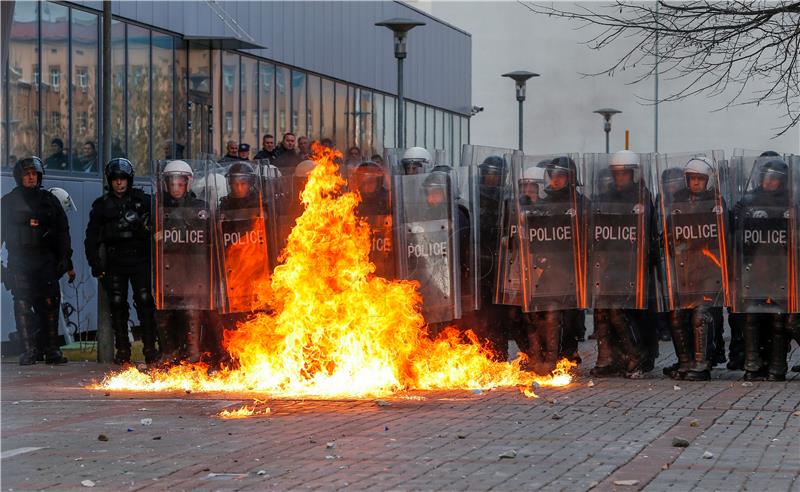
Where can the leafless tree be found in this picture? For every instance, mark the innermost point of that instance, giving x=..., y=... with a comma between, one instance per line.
x=745, y=51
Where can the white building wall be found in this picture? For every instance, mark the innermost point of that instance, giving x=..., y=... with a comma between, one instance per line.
x=558, y=112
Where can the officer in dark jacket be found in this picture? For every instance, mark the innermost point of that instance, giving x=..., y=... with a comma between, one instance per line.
x=36, y=234
x=119, y=223
x=764, y=210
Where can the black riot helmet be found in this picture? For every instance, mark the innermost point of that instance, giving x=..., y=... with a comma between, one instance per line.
x=564, y=165
x=240, y=172
x=492, y=171
x=23, y=165
x=119, y=167
x=775, y=168
x=769, y=153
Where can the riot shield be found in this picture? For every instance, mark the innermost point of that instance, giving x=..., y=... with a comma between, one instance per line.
x=490, y=199
x=183, y=236
x=427, y=243
x=765, y=248
x=621, y=211
x=243, y=255
x=693, y=229
x=414, y=160
x=551, y=221
x=369, y=179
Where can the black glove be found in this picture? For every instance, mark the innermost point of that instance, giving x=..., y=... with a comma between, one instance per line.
x=97, y=272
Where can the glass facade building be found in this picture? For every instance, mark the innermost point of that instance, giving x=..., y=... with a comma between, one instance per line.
x=176, y=97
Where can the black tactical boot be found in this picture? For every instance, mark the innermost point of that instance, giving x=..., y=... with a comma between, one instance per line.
x=27, y=332
x=702, y=324
x=193, y=336
x=681, y=340
x=751, y=331
x=778, y=351
x=760, y=375
x=736, y=347
x=52, y=353
x=605, y=365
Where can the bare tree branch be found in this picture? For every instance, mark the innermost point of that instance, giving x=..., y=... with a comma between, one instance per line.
x=716, y=48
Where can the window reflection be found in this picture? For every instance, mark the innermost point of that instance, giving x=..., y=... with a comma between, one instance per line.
x=118, y=141
x=138, y=100
x=298, y=103
x=22, y=79
x=328, y=105
x=249, y=121
x=266, y=81
x=283, y=100
x=54, y=98
x=84, y=92
x=162, y=79
x=314, y=116
x=230, y=96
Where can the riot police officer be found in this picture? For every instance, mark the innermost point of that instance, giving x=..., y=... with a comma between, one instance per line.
x=36, y=234
x=561, y=204
x=117, y=248
x=765, y=333
x=416, y=160
x=691, y=325
x=492, y=318
x=624, y=204
x=184, y=256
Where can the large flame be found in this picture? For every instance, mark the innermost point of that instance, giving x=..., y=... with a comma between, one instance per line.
x=335, y=329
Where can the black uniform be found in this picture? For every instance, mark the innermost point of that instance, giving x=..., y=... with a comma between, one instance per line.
x=546, y=329
x=177, y=327
x=766, y=335
x=491, y=317
x=36, y=234
x=692, y=328
x=121, y=226
x=620, y=341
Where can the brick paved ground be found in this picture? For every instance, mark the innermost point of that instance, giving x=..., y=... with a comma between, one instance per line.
x=575, y=438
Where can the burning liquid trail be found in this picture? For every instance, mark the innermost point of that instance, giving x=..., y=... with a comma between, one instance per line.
x=337, y=331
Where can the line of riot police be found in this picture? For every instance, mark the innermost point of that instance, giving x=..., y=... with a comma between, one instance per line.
x=511, y=246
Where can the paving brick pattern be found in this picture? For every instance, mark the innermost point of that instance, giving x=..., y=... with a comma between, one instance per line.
x=581, y=437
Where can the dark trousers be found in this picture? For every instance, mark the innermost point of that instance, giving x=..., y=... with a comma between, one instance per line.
x=116, y=285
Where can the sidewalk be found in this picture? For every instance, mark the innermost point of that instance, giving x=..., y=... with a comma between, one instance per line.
x=602, y=434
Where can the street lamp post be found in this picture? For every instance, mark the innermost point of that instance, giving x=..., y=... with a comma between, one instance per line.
x=607, y=114
x=520, y=77
x=400, y=28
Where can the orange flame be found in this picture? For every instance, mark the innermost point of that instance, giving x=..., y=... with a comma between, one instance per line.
x=335, y=329
x=244, y=412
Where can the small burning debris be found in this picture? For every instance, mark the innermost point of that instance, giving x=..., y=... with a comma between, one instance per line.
x=243, y=412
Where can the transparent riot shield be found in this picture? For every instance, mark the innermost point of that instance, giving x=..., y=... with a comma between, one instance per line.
x=693, y=229
x=414, y=160
x=551, y=220
x=619, y=229
x=183, y=236
x=490, y=192
x=468, y=232
x=427, y=243
x=765, y=248
x=370, y=180
x=243, y=255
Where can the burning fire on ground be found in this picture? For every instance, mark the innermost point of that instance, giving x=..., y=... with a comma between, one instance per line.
x=336, y=330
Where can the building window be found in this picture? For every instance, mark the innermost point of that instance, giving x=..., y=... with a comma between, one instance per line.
x=82, y=74
x=227, y=78
x=36, y=75
x=55, y=119
x=228, y=122
x=55, y=77
x=83, y=121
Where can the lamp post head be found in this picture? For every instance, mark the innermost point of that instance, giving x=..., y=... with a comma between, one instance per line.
x=607, y=113
x=400, y=27
x=520, y=77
